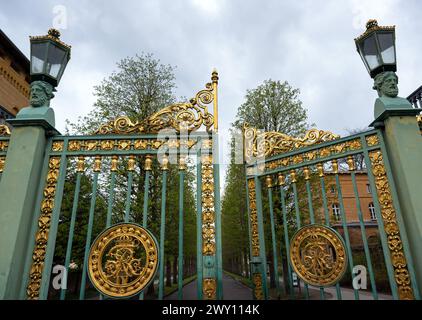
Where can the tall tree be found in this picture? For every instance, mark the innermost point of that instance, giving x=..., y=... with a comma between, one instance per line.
x=140, y=87
x=272, y=106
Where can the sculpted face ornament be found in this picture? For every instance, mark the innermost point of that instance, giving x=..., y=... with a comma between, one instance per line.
x=386, y=84
x=41, y=94
x=318, y=255
x=123, y=260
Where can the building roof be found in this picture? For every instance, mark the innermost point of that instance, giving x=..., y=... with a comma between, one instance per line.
x=11, y=48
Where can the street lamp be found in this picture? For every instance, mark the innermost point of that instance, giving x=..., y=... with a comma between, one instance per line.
x=49, y=57
x=377, y=48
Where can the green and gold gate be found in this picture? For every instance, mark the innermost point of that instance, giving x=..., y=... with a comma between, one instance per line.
x=321, y=208
x=95, y=194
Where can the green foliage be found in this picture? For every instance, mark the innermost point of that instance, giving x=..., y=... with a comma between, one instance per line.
x=140, y=87
x=272, y=106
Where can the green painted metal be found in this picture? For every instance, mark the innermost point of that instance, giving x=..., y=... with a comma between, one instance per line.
x=34, y=227
x=327, y=223
x=406, y=175
x=89, y=235
x=273, y=239
x=262, y=251
x=128, y=195
x=145, y=212
x=146, y=194
x=286, y=240
x=19, y=184
x=110, y=198
x=217, y=209
x=345, y=231
x=162, y=234
x=199, y=262
x=312, y=218
x=298, y=226
x=55, y=216
x=249, y=234
x=71, y=229
x=382, y=233
x=180, y=256
x=364, y=238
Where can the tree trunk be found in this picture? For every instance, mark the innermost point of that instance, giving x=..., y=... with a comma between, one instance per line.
x=271, y=269
x=168, y=273
x=175, y=270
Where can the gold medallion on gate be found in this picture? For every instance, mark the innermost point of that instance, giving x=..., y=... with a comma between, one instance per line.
x=318, y=255
x=123, y=260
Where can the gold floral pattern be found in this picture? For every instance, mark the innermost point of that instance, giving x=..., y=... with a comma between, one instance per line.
x=187, y=116
x=209, y=288
x=41, y=238
x=389, y=219
x=318, y=255
x=208, y=209
x=253, y=218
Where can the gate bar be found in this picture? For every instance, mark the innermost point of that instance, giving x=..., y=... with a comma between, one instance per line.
x=320, y=168
x=72, y=228
x=363, y=233
x=162, y=230
x=273, y=235
x=298, y=224
x=199, y=223
x=180, y=257
x=344, y=223
x=89, y=231
x=113, y=169
x=281, y=180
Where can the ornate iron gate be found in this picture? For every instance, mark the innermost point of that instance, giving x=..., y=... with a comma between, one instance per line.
x=121, y=257
x=319, y=228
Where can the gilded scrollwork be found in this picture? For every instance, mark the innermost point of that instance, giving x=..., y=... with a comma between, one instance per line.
x=258, y=288
x=41, y=238
x=208, y=209
x=4, y=130
x=209, y=288
x=123, y=260
x=57, y=146
x=372, y=140
x=266, y=144
x=2, y=161
x=253, y=218
x=318, y=255
x=187, y=116
x=4, y=145
x=389, y=219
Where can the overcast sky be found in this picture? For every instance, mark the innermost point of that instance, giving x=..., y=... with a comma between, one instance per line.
x=308, y=43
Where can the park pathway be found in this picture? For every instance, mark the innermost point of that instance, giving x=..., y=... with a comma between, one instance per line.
x=233, y=290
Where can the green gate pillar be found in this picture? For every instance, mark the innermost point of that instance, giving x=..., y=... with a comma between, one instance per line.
x=18, y=190
x=404, y=146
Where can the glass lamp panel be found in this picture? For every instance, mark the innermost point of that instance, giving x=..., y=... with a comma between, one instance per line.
x=38, y=56
x=370, y=52
x=386, y=41
x=54, y=60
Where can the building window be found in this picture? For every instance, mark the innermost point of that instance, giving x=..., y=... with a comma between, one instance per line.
x=372, y=211
x=368, y=188
x=336, y=211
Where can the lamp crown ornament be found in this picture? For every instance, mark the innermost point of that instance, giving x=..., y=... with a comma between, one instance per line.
x=54, y=33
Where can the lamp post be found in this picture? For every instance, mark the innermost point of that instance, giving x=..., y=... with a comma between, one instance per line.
x=49, y=58
x=377, y=49
x=24, y=163
x=395, y=117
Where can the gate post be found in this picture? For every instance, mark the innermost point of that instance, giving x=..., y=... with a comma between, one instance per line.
x=18, y=190
x=403, y=142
